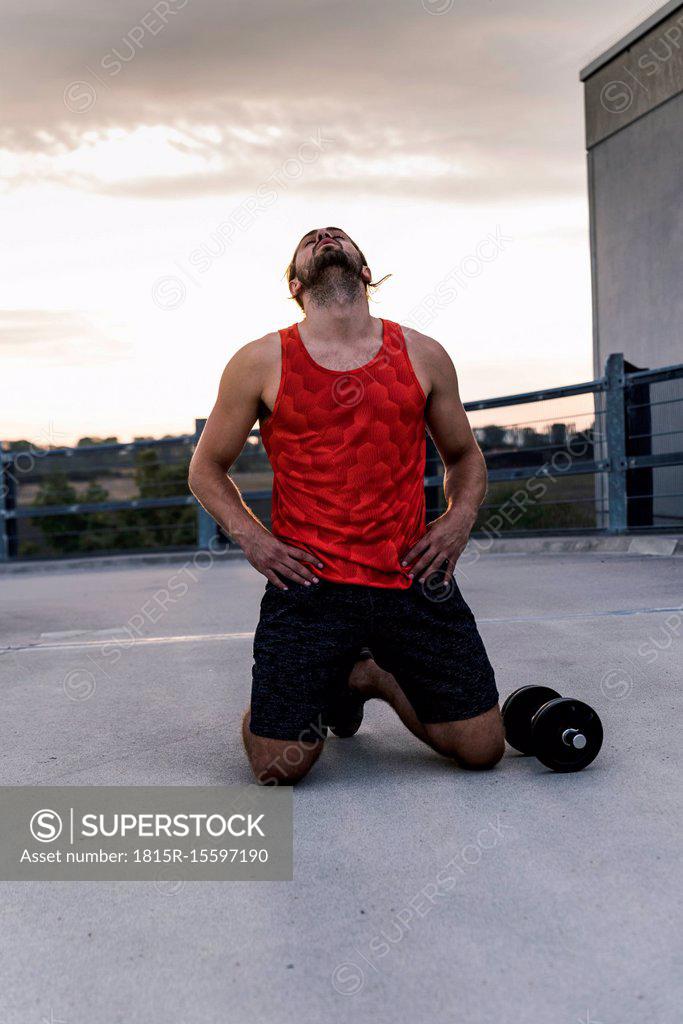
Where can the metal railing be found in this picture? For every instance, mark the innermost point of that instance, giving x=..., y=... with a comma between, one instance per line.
x=620, y=472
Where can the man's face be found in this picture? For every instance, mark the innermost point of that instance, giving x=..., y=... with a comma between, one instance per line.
x=323, y=248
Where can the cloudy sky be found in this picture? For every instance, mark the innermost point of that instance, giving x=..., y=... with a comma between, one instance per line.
x=158, y=161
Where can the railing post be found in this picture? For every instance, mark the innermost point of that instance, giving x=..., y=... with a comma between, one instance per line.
x=206, y=527
x=8, y=503
x=639, y=482
x=434, y=497
x=615, y=431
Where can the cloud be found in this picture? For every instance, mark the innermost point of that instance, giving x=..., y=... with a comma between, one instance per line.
x=59, y=337
x=480, y=102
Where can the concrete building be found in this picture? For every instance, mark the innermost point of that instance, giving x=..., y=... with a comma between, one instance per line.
x=634, y=138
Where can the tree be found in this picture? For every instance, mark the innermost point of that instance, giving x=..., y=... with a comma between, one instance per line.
x=127, y=529
x=79, y=531
x=492, y=436
x=84, y=442
x=160, y=527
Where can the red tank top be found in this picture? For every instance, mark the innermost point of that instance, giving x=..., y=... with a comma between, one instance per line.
x=347, y=449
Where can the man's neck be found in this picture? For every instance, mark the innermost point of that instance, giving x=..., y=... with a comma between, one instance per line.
x=339, y=321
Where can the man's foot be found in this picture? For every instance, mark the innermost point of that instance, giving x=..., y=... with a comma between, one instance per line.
x=346, y=712
x=345, y=715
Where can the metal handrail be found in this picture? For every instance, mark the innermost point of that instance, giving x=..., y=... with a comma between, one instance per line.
x=544, y=395
x=662, y=373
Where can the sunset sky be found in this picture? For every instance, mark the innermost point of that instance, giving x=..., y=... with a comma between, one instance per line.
x=158, y=162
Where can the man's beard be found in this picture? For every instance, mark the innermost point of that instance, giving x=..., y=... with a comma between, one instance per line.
x=333, y=277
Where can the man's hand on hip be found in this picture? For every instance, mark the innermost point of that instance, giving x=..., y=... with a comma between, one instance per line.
x=442, y=544
x=276, y=559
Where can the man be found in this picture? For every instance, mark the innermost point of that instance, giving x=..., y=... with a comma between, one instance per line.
x=343, y=399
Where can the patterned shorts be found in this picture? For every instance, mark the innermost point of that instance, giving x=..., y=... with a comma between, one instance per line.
x=308, y=639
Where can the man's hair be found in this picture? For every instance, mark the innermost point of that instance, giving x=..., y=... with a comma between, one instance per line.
x=290, y=272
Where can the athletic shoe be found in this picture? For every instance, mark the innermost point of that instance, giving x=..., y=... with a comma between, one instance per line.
x=345, y=714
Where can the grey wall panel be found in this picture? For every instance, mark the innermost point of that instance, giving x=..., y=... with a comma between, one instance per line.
x=637, y=234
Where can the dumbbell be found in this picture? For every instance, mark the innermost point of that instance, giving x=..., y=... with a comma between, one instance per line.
x=564, y=734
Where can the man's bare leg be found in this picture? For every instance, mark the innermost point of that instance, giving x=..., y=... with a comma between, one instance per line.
x=477, y=742
x=278, y=762
x=371, y=681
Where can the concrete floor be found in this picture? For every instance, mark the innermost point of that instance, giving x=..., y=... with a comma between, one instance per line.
x=421, y=892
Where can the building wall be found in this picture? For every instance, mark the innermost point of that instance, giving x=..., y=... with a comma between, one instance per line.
x=634, y=136
x=636, y=197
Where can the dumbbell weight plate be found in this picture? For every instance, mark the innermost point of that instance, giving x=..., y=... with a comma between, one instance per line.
x=518, y=710
x=566, y=735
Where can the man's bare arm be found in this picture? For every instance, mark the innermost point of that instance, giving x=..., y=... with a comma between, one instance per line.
x=465, y=468
x=223, y=438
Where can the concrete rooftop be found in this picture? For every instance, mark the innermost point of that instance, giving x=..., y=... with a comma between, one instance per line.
x=563, y=909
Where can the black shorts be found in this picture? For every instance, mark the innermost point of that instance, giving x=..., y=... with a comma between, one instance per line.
x=308, y=639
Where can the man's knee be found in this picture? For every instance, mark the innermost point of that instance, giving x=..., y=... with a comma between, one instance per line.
x=279, y=762
x=275, y=772
x=480, y=759
x=477, y=744
x=477, y=757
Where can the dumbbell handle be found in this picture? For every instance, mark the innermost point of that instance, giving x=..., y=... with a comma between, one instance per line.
x=574, y=738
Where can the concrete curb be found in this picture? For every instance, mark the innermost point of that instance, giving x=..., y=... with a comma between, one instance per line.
x=662, y=546
x=100, y=562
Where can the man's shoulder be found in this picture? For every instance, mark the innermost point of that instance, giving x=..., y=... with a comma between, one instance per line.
x=252, y=365
x=423, y=346
x=415, y=337
x=260, y=351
